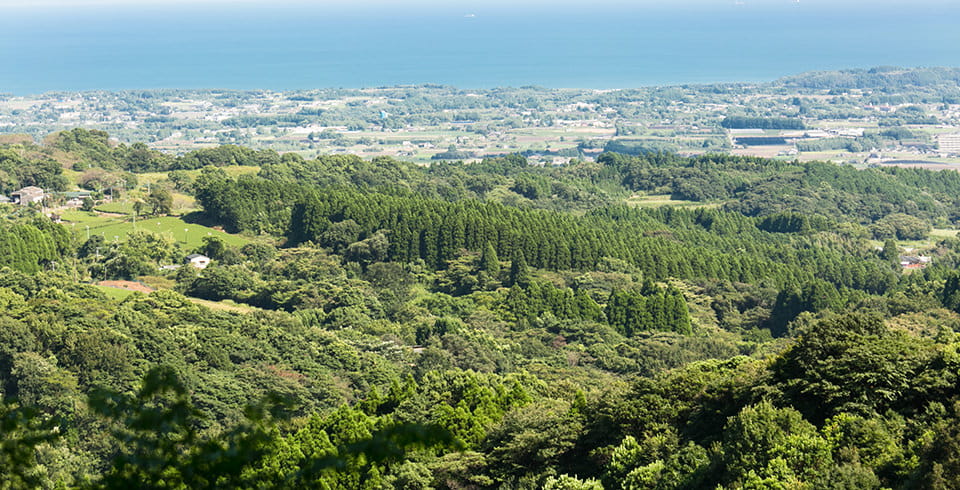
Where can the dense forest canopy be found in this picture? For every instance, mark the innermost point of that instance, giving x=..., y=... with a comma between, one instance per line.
x=372, y=323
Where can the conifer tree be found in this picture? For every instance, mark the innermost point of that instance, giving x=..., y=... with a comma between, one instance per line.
x=489, y=262
x=890, y=252
x=489, y=274
x=519, y=273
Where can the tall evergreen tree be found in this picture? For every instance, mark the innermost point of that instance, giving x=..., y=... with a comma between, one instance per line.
x=489, y=274
x=519, y=272
x=890, y=252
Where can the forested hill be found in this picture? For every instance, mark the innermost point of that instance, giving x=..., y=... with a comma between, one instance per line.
x=651, y=321
x=880, y=78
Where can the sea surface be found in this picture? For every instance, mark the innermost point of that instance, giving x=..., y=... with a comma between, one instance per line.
x=253, y=46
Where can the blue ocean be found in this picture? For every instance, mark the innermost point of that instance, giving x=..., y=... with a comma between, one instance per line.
x=308, y=45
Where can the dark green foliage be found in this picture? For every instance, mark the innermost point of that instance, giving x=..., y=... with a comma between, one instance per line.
x=950, y=294
x=345, y=170
x=653, y=309
x=139, y=158
x=741, y=122
x=88, y=204
x=248, y=203
x=854, y=363
x=855, y=145
x=161, y=448
x=489, y=274
x=222, y=156
x=435, y=232
x=536, y=436
x=939, y=467
x=675, y=347
x=95, y=149
x=901, y=227
x=814, y=296
x=17, y=172
x=794, y=223
x=531, y=187
x=22, y=430
x=92, y=145
x=538, y=299
x=160, y=201
x=628, y=147
x=761, y=187
x=220, y=282
x=890, y=252
x=160, y=444
x=519, y=272
x=217, y=249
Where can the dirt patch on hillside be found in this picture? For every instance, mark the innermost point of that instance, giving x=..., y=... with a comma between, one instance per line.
x=128, y=285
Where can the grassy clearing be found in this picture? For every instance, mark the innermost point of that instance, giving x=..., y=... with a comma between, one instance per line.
x=658, y=200
x=225, y=305
x=928, y=243
x=119, y=294
x=157, y=282
x=117, y=228
x=941, y=233
x=115, y=207
x=114, y=293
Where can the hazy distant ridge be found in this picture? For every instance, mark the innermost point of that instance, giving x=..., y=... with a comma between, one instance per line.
x=886, y=77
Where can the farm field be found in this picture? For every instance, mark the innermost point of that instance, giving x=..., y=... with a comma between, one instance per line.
x=114, y=228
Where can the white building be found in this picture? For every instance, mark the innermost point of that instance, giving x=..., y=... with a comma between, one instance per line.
x=198, y=260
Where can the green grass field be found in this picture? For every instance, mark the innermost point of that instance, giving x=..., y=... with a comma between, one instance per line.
x=119, y=207
x=939, y=233
x=114, y=293
x=117, y=228
x=657, y=200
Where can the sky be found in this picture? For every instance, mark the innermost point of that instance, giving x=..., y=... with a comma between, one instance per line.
x=40, y=4
x=477, y=7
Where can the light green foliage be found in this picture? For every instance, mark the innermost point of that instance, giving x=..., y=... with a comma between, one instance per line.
x=22, y=431
x=642, y=348
x=160, y=201
x=566, y=482
x=33, y=246
x=901, y=226
x=532, y=437
x=767, y=444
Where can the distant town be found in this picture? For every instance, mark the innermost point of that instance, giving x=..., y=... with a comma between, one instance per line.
x=894, y=117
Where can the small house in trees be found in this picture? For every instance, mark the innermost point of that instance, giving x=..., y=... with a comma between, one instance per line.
x=914, y=261
x=75, y=198
x=27, y=195
x=199, y=261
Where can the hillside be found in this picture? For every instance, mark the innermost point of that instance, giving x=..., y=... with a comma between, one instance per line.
x=374, y=323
